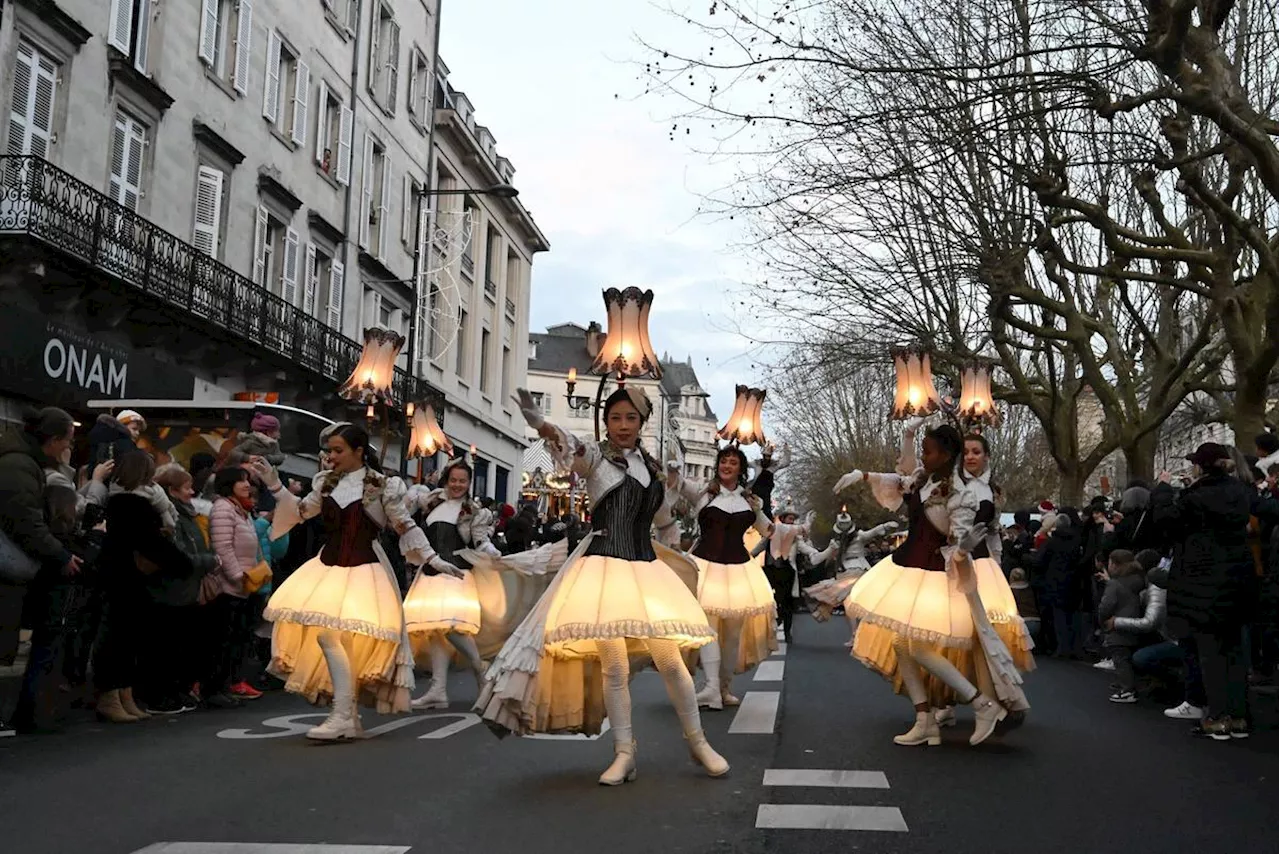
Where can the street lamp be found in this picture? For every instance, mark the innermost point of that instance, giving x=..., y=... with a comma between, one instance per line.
x=745, y=426
x=976, y=408
x=426, y=439
x=371, y=380
x=915, y=394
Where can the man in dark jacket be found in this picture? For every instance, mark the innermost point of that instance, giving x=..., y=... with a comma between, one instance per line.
x=520, y=529
x=110, y=438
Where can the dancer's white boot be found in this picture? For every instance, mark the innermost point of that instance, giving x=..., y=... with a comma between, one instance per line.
x=343, y=723
x=925, y=731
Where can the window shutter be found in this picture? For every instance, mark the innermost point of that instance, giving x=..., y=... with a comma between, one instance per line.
x=126, y=162
x=411, y=96
x=208, y=223
x=384, y=207
x=393, y=67
x=301, y=88
x=310, y=281
x=346, y=126
x=353, y=16
x=375, y=62
x=289, y=274
x=333, y=314
x=406, y=205
x=425, y=92
x=372, y=309
x=244, y=43
x=144, y=35
x=271, y=88
x=35, y=83
x=120, y=27
x=366, y=190
x=259, y=247
x=209, y=31
x=322, y=123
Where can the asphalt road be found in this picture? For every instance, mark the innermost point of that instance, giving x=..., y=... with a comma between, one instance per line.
x=1081, y=775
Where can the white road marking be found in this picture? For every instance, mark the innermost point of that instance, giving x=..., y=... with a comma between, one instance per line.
x=826, y=778
x=295, y=725
x=545, y=736
x=267, y=848
x=781, y=635
x=782, y=649
x=822, y=817
x=769, y=671
x=757, y=714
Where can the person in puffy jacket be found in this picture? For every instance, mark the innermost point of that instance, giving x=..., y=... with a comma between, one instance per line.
x=1122, y=600
x=1211, y=582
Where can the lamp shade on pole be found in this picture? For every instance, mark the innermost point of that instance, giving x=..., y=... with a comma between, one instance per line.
x=976, y=407
x=626, y=348
x=915, y=394
x=746, y=425
x=371, y=381
x=426, y=437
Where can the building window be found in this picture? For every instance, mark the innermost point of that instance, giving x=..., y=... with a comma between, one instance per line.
x=579, y=408
x=129, y=30
x=128, y=144
x=375, y=189
x=384, y=57
x=410, y=190
x=484, y=360
x=333, y=285
x=460, y=358
x=207, y=230
x=284, y=94
x=334, y=125
x=471, y=219
x=226, y=35
x=317, y=273
x=275, y=254
x=542, y=401
x=501, y=479
x=480, y=488
x=419, y=100
x=513, y=281
x=344, y=13
x=506, y=374
x=492, y=243
x=31, y=109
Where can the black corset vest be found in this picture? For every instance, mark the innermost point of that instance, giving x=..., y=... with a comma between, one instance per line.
x=623, y=520
x=350, y=534
x=923, y=546
x=446, y=541
x=720, y=535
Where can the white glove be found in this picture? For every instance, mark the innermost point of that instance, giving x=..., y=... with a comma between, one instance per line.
x=673, y=466
x=529, y=409
x=847, y=480
x=911, y=425
x=973, y=539
x=439, y=564
x=809, y=519
x=267, y=475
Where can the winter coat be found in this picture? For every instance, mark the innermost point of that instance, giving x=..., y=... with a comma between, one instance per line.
x=135, y=529
x=1057, y=564
x=1155, y=601
x=1136, y=531
x=22, y=483
x=1211, y=580
x=1121, y=600
x=260, y=445
x=520, y=532
x=192, y=538
x=235, y=539
x=109, y=440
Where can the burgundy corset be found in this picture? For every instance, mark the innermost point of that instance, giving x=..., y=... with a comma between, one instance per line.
x=720, y=535
x=923, y=546
x=350, y=534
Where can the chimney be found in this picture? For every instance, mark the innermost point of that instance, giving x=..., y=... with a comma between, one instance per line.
x=594, y=334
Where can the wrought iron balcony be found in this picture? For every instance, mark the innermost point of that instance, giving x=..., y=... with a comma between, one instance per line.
x=42, y=202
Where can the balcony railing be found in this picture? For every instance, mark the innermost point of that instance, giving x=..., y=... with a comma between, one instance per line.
x=511, y=308
x=41, y=201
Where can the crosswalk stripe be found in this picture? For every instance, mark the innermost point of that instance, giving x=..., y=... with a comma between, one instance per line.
x=769, y=671
x=821, y=817
x=757, y=714
x=267, y=848
x=782, y=649
x=834, y=779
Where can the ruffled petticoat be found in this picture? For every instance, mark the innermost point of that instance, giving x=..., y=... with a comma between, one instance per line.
x=547, y=678
x=833, y=591
x=925, y=606
x=363, y=604
x=740, y=592
x=438, y=605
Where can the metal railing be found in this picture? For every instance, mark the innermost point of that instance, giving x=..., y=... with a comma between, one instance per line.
x=510, y=307
x=41, y=201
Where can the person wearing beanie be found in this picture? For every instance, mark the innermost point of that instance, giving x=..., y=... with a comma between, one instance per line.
x=263, y=439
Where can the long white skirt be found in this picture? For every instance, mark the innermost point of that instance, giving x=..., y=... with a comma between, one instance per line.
x=740, y=592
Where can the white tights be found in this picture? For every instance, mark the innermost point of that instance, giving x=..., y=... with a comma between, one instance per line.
x=913, y=655
x=720, y=657
x=440, y=655
x=617, y=694
x=338, y=657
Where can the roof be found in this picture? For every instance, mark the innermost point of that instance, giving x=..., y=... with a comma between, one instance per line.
x=558, y=353
x=536, y=456
x=676, y=376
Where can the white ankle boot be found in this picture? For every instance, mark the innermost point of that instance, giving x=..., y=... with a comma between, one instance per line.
x=730, y=701
x=709, y=697
x=986, y=714
x=924, y=732
x=343, y=723
x=946, y=716
x=623, y=768
x=437, y=697
x=702, y=753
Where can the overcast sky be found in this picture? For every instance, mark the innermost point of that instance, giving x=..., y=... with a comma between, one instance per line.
x=557, y=83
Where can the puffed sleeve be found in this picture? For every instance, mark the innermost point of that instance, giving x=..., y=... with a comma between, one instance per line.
x=483, y=526
x=888, y=488
x=763, y=524
x=962, y=508
x=413, y=543
x=571, y=453
x=290, y=511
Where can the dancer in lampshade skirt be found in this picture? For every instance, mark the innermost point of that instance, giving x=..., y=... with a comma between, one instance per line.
x=732, y=588
x=920, y=608
x=338, y=632
x=850, y=545
x=568, y=663
x=442, y=608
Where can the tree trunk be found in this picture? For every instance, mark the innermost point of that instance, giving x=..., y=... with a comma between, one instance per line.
x=1249, y=415
x=1071, y=486
x=1140, y=458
